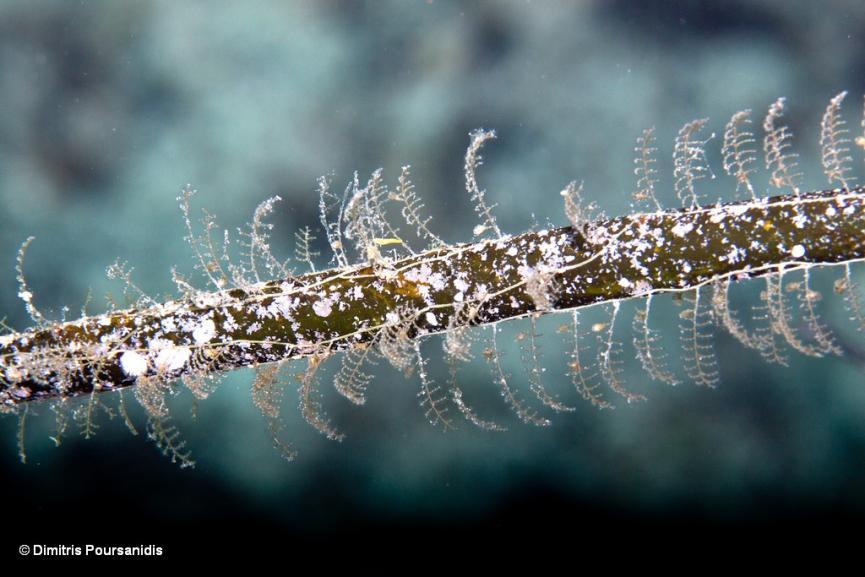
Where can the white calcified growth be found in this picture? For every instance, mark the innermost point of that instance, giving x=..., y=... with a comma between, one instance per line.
x=204, y=332
x=322, y=308
x=682, y=228
x=172, y=358
x=133, y=364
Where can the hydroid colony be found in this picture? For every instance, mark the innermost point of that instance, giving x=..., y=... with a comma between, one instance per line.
x=380, y=298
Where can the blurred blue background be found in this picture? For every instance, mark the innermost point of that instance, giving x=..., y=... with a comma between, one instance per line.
x=109, y=108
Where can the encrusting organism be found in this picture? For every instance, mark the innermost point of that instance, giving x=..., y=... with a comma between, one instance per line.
x=381, y=298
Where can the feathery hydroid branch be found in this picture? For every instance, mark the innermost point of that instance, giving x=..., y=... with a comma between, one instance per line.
x=388, y=303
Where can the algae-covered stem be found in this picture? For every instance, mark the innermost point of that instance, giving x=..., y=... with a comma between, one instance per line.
x=508, y=277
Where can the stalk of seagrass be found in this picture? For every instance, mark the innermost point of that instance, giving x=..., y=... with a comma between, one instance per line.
x=317, y=313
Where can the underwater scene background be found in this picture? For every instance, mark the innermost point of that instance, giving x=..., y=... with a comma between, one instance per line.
x=109, y=108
